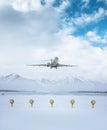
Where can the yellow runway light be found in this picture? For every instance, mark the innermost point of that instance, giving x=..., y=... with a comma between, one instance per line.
x=51, y=102
x=72, y=102
x=93, y=102
x=31, y=101
x=11, y=102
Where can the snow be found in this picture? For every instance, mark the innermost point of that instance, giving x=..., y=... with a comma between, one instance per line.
x=69, y=84
x=61, y=117
x=42, y=116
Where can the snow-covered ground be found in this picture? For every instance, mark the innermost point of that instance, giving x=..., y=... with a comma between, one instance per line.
x=61, y=117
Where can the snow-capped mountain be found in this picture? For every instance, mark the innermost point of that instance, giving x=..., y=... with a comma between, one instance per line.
x=10, y=77
x=15, y=82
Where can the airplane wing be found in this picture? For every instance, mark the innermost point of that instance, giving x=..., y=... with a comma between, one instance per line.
x=62, y=65
x=38, y=65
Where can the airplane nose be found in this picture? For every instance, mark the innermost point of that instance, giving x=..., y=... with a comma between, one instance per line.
x=56, y=59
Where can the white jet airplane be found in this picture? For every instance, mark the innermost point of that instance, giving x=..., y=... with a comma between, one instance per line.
x=53, y=64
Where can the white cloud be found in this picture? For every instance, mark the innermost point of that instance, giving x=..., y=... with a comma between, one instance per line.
x=74, y=50
x=63, y=5
x=4, y=2
x=36, y=36
x=27, y=5
x=88, y=18
x=91, y=60
x=94, y=37
x=86, y=2
x=49, y=2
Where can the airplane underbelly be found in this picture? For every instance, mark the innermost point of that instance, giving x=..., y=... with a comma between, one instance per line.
x=54, y=65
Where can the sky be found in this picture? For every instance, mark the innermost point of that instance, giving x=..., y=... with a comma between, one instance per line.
x=35, y=30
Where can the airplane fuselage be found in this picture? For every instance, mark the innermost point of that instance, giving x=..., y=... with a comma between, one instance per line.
x=53, y=63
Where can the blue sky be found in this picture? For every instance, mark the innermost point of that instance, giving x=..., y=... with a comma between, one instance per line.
x=73, y=30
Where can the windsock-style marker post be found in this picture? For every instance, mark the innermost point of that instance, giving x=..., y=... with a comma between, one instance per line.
x=11, y=102
x=72, y=102
x=31, y=101
x=93, y=102
x=51, y=102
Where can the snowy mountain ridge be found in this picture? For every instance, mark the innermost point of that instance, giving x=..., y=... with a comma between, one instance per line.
x=10, y=77
x=70, y=84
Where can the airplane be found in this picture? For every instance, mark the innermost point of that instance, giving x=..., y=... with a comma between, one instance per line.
x=53, y=64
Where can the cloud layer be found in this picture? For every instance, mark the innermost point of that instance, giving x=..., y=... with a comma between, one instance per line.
x=34, y=30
